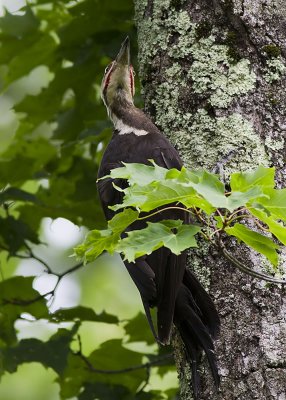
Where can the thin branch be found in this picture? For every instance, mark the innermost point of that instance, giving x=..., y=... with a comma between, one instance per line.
x=165, y=209
x=69, y=271
x=51, y=293
x=199, y=216
x=22, y=302
x=241, y=209
x=247, y=270
x=159, y=360
x=40, y=260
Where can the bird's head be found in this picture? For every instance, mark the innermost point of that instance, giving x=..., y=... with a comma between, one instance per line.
x=118, y=81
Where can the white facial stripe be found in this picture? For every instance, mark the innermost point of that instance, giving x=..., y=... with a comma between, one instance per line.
x=124, y=129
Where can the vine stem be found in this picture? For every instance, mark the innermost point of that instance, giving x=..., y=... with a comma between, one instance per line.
x=165, y=209
x=247, y=270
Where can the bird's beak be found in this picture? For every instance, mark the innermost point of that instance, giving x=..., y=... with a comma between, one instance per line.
x=123, y=57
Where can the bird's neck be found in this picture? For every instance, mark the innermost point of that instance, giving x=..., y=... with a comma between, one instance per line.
x=122, y=110
x=129, y=119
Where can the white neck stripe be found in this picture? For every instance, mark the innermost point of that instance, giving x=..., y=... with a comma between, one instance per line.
x=124, y=129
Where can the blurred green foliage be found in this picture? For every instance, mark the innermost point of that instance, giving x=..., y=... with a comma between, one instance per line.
x=53, y=131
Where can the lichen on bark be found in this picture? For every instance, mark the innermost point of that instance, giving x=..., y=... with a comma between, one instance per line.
x=213, y=75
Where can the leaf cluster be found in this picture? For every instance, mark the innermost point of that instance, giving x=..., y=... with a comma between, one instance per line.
x=253, y=211
x=51, y=65
x=52, y=60
x=110, y=370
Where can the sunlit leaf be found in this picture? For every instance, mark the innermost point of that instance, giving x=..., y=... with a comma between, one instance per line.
x=163, y=193
x=243, y=181
x=276, y=228
x=139, y=174
x=258, y=242
x=98, y=241
x=240, y=199
x=275, y=203
x=156, y=235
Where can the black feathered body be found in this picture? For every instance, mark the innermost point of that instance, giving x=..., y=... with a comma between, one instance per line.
x=161, y=277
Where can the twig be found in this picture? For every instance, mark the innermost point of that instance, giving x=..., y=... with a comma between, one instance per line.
x=165, y=209
x=22, y=302
x=247, y=270
x=50, y=293
x=69, y=271
x=40, y=260
x=149, y=364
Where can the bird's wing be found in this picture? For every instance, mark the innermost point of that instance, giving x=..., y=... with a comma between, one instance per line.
x=168, y=268
x=108, y=195
x=158, y=277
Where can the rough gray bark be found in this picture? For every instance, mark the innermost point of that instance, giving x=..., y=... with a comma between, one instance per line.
x=213, y=74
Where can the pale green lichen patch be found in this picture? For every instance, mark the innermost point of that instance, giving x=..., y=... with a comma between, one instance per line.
x=274, y=70
x=212, y=70
x=275, y=145
x=166, y=105
x=194, y=263
x=193, y=134
x=221, y=136
x=211, y=74
x=153, y=35
x=167, y=99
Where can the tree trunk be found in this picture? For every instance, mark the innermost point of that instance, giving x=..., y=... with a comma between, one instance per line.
x=213, y=75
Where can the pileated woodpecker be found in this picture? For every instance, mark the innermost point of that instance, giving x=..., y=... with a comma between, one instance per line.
x=161, y=277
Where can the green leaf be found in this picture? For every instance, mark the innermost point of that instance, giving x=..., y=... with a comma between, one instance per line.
x=32, y=155
x=81, y=313
x=276, y=228
x=152, y=187
x=243, y=181
x=138, y=329
x=22, y=64
x=212, y=189
x=111, y=356
x=275, y=203
x=122, y=220
x=258, y=242
x=139, y=174
x=53, y=353
x=158, y=194
x=19, y=25
x=98, y=241
x=104, y=391
x=156, y=235
x=240, y=199
x=14, y=233
x=121, y=358
x=17, y=296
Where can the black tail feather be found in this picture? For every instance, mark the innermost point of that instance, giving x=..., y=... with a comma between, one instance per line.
x=204, y=303
x=190, y=317
x=192, y=353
